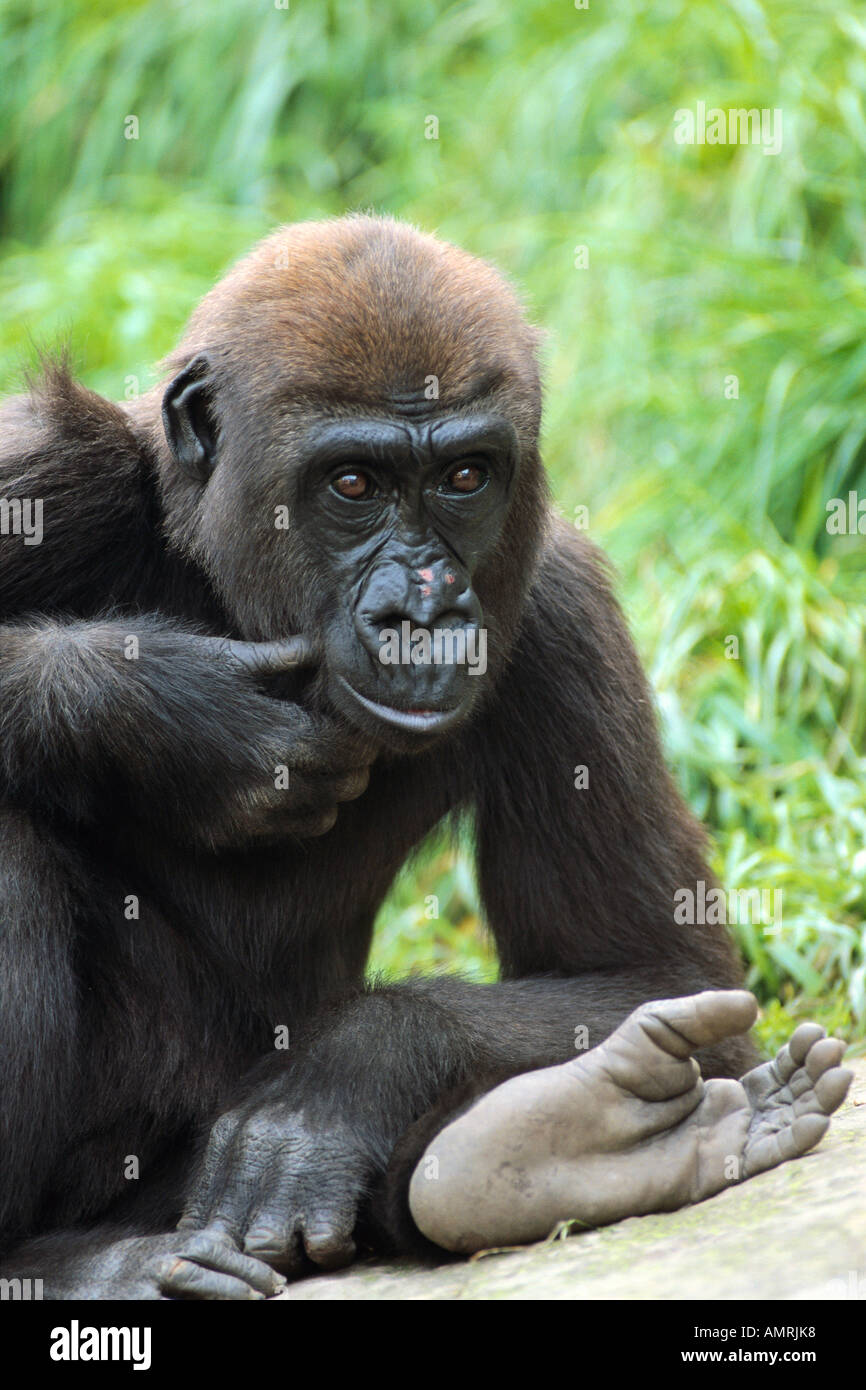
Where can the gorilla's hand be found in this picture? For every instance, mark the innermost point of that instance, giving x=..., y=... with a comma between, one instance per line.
x=104, y=720
x=199, y=1264
x=305, y=764
x=282, y=1186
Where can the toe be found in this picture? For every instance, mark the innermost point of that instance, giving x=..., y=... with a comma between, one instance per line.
x=802, y=1039
x=697, y=1020
x=720, y=1013
x=722, y=1097
x=832, y=1088
x=823, y=1055
x=767, y=1148
x=804, y=1134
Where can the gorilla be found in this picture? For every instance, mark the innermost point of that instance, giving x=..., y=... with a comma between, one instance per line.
x=279, y=618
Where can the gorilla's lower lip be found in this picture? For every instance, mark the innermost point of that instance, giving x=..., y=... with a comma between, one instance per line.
x=419, y=721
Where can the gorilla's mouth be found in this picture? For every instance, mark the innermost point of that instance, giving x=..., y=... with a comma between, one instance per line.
x=418, y=721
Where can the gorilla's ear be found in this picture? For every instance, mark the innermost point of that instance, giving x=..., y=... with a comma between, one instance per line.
x=188, y=420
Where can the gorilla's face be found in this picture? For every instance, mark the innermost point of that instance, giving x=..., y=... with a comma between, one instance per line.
x=403, y=512
x=368, y=533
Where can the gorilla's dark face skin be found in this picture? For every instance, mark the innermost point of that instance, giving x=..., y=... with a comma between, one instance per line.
x=406, y=511
x=398, y=513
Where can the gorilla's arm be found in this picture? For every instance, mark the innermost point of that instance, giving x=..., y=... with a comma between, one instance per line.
x=578, y=885
x=583, y=840
x=137, y=716
x=176, y=735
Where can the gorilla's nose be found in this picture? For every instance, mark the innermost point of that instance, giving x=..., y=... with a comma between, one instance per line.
x=431, y=595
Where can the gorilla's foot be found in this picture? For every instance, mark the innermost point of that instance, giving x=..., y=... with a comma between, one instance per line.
x=626, y=1129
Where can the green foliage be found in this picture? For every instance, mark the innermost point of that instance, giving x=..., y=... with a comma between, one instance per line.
x=705, y=263
x=432, y=920
x=766, y=737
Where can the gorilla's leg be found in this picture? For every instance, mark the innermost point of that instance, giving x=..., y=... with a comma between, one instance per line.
x=628, y=1128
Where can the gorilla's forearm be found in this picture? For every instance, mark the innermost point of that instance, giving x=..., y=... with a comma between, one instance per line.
x=88, y=709
x=139, y=719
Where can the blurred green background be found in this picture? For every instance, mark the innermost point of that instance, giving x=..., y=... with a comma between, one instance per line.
x=705, y=262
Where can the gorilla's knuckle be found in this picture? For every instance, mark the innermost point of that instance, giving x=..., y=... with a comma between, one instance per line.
x=328, y=1243
x=353, y=785
x=318, y=823
x=254, y=807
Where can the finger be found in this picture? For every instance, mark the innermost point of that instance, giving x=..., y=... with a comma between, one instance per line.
x=275, y=1238
x=211, y=1250
x=210, y=1175
x=343, y=749
x=249, y=1166
x=185, y=1279
x=353, y=785
x=198, y=1208
x=328, y=1238
x=265, y=658
x=225, y=1223
x=273, y=812
x=316, y=824
x=782, y=1067
x=218, y=1213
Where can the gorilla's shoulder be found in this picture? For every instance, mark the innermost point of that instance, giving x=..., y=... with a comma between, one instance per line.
x=59, y=434
x=73, y=461
x=573, y=578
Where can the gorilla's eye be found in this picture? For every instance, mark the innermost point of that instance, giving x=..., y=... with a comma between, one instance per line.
x=355, y=486
x=469, y=477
